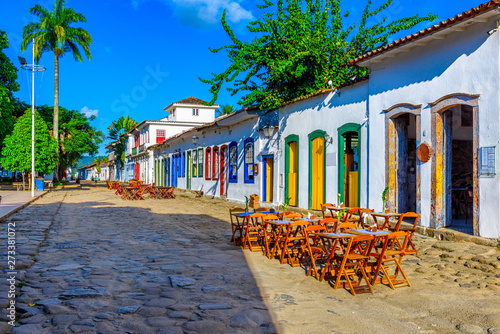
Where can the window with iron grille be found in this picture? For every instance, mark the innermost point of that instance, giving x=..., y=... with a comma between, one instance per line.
x=249, y=162
x=233, y=162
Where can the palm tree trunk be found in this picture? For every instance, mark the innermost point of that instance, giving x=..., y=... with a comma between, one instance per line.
x=56, y=111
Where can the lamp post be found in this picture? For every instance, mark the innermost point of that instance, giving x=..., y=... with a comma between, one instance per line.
x=33, y=68
x=195, y=139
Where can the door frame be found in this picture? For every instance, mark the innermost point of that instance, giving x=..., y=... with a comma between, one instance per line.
x=188, y=170
x=348, y=127
x=222, y=170
x=289, y=139
x=313, y=135
x=391, y=156
x=265, y=177
x=441, y=166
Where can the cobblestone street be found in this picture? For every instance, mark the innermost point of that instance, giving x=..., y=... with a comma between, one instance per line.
x=90, y=262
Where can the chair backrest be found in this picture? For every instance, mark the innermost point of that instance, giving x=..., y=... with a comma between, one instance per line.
x=270, y=217
x=409, y=217
x=325, y=222
x=348, y=226
x=394, y=246
x=261, y=209
x=235, y=210
x=323, y=208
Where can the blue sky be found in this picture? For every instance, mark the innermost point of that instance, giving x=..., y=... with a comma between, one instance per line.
x=147, y=54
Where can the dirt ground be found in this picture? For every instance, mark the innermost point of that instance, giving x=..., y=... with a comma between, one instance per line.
x=455, y=286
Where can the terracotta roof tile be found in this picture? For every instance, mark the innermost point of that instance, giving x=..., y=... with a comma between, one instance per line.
x=432, y=29
x=192, y=100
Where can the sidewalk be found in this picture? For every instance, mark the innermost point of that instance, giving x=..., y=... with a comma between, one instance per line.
x=14, y=200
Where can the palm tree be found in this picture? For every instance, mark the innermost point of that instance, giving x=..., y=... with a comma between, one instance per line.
x=54, y=32
x=116, y=131
x=226, y=109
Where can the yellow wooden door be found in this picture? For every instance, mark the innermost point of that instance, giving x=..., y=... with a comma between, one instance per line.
x=317, y=173
x=269, y=179
x=292, y=174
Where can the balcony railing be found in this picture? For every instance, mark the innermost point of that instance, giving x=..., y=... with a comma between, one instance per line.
x=142, y=148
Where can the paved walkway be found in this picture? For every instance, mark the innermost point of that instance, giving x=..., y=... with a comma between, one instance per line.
x=92, y=263
x=13, y=200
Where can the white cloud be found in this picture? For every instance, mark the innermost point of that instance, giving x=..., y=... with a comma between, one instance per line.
x=89, y=112
x=210, y=11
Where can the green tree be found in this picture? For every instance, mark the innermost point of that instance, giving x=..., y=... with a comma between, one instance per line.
x=117, y=129
x=299, y=46
x=77, y=136
x=8, y=85
x=54, y=32
x=16, y=155
x=98, y=163
x=227, y=109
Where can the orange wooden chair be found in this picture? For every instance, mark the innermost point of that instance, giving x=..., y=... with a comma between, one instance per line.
x=315, y=248
x=352, y=264
x=325, y=213
x=237, y=224
x=267, y=235
x=253, y=232
x=412, y=218
x=393, y=251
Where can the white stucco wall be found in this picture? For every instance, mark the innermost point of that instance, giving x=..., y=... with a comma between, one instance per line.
x=463, y=62
x=326, y=112
x=185, y=114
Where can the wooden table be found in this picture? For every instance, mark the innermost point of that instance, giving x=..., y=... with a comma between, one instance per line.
x=131, y=193
x=289, y=240
x=386, y=216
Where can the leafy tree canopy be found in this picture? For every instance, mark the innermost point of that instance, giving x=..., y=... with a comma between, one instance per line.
x=76, y=137
x=8, y=85
x=16, y=155
x=226, y=109
x=299, y=46
x=117, y=129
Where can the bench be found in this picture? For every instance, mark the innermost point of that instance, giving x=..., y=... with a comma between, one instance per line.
x=18, y=185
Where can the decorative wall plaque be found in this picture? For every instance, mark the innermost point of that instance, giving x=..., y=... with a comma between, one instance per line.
x=424, y=152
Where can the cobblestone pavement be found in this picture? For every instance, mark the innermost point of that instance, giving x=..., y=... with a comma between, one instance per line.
x=89, y=262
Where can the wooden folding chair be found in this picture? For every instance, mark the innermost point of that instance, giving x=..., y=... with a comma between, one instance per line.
x=412, y=218
x=236, y=226
x=392, y=252
x=152, y=191
x=267, y=236
x=290, y=215
x=119, y=190
x=329, y=223
x=315, y=248
x=140, y=194
x=169, y=193
x=353, y=263
x=253, y=232
x=325, y=214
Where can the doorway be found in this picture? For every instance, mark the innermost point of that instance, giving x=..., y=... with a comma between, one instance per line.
x=455, y=169
x=406, y=163
x=316, y=169
x=268, y=184
x=188, y=171
x=349, y=149
x=222, y=168
x=292, y=169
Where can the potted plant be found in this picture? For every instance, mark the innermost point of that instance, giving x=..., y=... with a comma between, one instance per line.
x=247, y=200
x=340, y=213
x=284, y=206
x=384, y=198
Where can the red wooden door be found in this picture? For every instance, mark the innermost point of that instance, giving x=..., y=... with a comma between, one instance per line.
x=222, y=171
x=137, y=171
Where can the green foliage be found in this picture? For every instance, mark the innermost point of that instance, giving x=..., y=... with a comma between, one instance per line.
x=77, y=136
x=55, y=32
x=98, y=162
x=117, y=129
x=298, y=47
x=227, y=109
x=384, y=197
x=8, y=85
x=16, y=154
